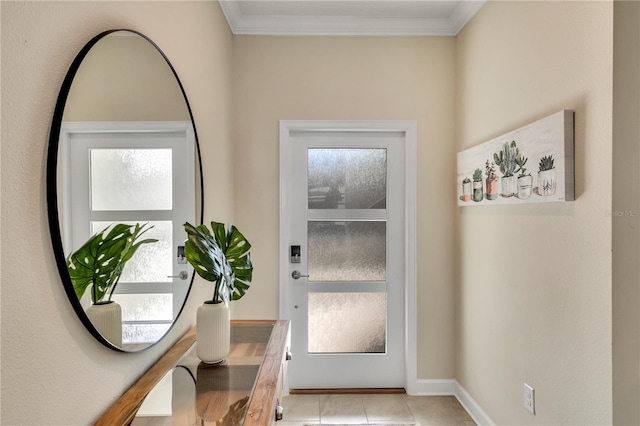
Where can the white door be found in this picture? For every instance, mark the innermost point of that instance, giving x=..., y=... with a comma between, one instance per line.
x=136, y=172
x=343, y=255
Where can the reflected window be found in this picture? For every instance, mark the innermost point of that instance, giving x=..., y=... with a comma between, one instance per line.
x=131, y=179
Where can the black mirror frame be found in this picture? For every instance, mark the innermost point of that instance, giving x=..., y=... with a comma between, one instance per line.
x=52, y=177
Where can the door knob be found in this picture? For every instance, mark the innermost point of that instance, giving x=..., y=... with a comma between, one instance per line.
x=297, y=275
x=183, y=275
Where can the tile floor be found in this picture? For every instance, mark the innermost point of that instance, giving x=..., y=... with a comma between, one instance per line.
x=373, y=409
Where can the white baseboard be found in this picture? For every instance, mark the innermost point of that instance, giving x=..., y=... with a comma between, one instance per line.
x=451, y=387
x=473, y=408
x=434, y=387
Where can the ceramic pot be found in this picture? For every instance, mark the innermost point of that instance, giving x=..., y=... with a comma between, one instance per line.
x=213, y=332
x=466, y=191
x=106, y=317
x=477, y=191
x=508, y=185
x=492, y=188
x=525, y=185
x=547, y=182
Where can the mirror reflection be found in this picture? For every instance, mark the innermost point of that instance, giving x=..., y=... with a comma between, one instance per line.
x=127, y=164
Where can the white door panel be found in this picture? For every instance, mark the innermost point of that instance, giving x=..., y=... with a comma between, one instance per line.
x=348, y=309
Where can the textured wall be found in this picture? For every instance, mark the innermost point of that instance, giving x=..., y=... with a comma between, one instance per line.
x=535, y=280
x=350, y=78
x=53, y=371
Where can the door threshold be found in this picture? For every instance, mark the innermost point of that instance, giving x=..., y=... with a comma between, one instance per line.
x=346, y=391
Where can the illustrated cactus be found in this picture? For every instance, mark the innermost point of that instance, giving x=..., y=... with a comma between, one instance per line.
x=506, y=159
x=546, y=163
x=466, y=180
x=521, y=161
x=477, y=175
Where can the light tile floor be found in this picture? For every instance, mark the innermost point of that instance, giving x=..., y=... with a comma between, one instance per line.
x=373, y=409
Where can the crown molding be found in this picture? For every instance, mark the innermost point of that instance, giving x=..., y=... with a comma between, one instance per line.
x=244, y=24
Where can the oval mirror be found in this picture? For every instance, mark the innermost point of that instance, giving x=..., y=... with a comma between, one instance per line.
x=123, y=176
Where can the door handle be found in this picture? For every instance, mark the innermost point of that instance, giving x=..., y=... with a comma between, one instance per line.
x=183, y=275
x=297, y=275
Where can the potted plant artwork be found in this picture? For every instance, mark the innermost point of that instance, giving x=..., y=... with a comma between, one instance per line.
x=491, y=181
x=525, y=180
x=220, y=256
x=477, y=185
x=98, y=264
x=505, y=159
x=466, y=189
x=546, y=176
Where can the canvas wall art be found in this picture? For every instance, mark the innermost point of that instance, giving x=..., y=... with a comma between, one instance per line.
x=533, y=164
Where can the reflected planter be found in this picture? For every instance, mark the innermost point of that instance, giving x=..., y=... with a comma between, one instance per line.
x=222, y=393
x=106, y=317
x=213, y=332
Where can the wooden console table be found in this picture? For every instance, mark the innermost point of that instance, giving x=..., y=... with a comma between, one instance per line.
x=245, y=389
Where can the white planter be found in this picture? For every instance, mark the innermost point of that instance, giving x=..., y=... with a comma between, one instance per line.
x=107, y=319
x=547, y=182
x=508, y=185
x=525, y=185
x=466, y=191
x=213, y=332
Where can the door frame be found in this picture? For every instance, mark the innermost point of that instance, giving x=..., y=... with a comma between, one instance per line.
x=409, y=129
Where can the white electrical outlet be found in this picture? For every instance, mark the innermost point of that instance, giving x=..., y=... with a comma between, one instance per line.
x=529, y=399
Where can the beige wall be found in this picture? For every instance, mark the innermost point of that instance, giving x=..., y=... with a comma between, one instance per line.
x=534, y=299
x=53, y=371
x=626, y=213
x=350, y=78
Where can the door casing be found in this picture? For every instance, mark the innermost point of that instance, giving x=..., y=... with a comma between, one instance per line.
x=409, y=128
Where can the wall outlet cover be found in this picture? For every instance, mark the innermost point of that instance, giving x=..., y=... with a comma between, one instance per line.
x=529, y=399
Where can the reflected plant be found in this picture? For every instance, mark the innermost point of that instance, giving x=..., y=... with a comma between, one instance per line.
x=100, y=261
x=220, y=256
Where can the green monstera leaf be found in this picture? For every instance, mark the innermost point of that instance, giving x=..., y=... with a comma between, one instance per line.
x=101, y=260
x=222, y=256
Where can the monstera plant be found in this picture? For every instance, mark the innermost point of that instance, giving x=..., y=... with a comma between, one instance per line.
x=100, y=261
x=221, y=256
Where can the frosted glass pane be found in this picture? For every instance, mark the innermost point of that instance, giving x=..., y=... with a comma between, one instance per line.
x=143, y=333
x=131, y=179
x=152, y=262
x=347, y=178
x=347, y=251
x=145, y=307
x=347, y=322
